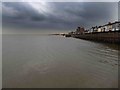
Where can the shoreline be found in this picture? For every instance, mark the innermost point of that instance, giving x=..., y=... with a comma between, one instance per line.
x=106, y=37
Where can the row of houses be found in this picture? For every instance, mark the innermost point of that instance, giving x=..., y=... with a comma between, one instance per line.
x=106, y=28
x=115, y=26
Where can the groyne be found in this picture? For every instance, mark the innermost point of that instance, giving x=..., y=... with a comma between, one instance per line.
x=110, y=37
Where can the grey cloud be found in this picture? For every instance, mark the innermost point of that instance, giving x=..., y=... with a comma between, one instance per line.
x=23, y=11
x=65, y=15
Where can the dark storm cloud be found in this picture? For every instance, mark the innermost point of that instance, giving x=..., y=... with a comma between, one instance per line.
x=20, y=11
x=63, y=15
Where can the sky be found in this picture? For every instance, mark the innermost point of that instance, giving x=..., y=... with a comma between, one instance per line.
x=55, y=17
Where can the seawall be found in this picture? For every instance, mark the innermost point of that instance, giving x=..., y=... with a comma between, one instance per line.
x=110, y=37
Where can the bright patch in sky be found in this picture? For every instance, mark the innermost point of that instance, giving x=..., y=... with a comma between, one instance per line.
x=41, y=7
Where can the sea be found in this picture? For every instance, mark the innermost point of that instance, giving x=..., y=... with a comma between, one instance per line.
x=53, y=61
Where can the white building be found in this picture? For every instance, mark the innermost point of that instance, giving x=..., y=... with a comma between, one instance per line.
x=99, y=29
x=116, y=26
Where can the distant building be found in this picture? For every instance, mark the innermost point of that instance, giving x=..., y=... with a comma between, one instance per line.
x=91, y=30
x=80, y=30
x=111, y=26
x=102, y=28
x=86, y=31
x=116, y=26
x=96, y=29
x=99, y=29
x=107, y=27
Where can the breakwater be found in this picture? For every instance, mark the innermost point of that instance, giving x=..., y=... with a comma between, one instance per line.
x=110, y=37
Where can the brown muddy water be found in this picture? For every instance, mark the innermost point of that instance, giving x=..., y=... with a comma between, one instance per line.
x=41, y=61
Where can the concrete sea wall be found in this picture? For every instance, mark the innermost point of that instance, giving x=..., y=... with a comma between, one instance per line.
x=111, y=37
